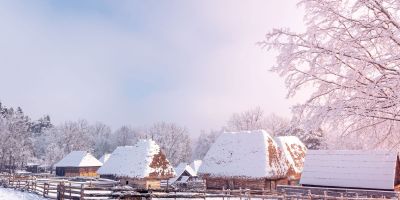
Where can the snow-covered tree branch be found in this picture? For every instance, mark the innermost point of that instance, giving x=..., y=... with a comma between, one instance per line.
x=350, y=55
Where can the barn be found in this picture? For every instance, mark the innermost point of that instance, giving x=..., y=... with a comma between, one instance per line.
x=142, y=166
x=248, y=159
x=372, y=170
x=78, y=163
x=294, y=152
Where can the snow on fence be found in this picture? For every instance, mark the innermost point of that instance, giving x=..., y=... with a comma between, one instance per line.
x=61, y=188
x=341, y=193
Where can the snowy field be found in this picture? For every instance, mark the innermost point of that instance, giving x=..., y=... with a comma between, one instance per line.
x=11, y=194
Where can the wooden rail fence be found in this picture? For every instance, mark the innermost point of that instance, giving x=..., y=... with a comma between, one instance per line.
x=61, y=188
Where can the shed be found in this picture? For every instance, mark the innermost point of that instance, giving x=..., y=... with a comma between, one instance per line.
x=294, y=152
x=377, y=170
x=183, y=174
x=247, y=159
x=78, y=163
x=143, y=165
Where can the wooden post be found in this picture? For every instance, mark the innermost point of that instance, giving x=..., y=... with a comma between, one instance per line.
x=44, y=189
x=82, y=192
x=58, y=192
x=70, y=190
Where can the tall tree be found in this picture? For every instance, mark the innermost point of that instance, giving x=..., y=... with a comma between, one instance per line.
x=173, y=140
x=100, y=135
x=125, y=136
x=349, y=53
x=204, y=143
x=252, y=119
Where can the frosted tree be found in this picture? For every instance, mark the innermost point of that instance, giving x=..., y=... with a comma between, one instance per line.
x=252, y=119
x=173, y=140
x=204, y=143
x=74, y=135
x=15, y=138
x=125, y=136
x=350, y=54
x=276, y=125
x=100, y=135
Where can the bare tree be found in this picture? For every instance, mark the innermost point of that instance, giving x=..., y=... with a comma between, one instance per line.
x=173, y=140
x=101, y=139
x=276, y=125
x=252, y=119
x=204, y=142
x=125, y=136
x=350, y=54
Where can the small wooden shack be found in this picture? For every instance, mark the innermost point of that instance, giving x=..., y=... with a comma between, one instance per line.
x=354, y=169
x=248, y=159
x=186, y=178
x=78, y=163
x=142, y=166
x=294, y=152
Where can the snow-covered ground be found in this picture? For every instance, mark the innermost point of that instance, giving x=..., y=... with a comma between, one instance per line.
x=11, y=194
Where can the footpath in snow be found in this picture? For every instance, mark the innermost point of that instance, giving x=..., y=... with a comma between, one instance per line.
x=11, y=194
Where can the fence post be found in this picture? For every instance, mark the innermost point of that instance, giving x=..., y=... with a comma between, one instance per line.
x=44, y=189
x=58, y=192
x=70, y=190
x=82, y=192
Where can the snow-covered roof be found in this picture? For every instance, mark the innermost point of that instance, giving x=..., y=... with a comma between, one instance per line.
x=104, y=158
x=294, y=151
x=143, y=160
x=79, y=159
x=180, y=169
x=195, y=165
x=252, y=154
x=349, y=168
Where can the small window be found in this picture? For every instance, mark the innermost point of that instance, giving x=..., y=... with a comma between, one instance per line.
x=127, y=182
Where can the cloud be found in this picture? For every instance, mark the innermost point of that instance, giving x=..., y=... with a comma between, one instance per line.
x=131, y=62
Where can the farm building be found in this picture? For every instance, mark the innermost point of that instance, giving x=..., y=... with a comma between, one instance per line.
x=377, y=170
x=103, y=159
x=294, y=152
x=248, y=159
x=186, y=178
x=78, y=163
x=143, y=165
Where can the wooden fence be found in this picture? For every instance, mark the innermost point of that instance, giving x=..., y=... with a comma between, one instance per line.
x=61, y=188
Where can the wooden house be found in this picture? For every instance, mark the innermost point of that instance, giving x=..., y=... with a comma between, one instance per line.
x=186, y=178
x=142, y=166
x=78, y=163
x=294, y=152
x=354, y=169
x=248, y=159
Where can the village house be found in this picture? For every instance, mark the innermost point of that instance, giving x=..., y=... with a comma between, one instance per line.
x=294, y=152
x=355, y=169
x=78, y=163
x=143, y=165
x=248, y=159
x=186, y=178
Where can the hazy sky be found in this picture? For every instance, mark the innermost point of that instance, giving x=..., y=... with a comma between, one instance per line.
x=138, y=62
